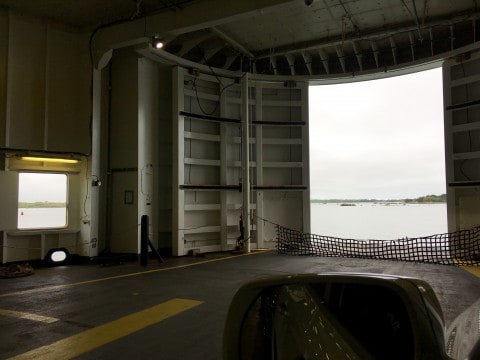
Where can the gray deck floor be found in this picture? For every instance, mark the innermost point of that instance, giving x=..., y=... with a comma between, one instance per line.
x=88, y=296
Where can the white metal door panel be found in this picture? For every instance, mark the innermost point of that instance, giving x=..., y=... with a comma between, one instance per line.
x=209, y=160
x=461, y=77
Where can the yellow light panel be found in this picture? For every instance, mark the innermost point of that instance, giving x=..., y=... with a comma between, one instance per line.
x=53, y=160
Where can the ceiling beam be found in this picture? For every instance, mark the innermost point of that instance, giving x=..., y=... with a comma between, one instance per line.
x=229, y=61
x=394, y=49
x=414, y=15
x=341, y=58
x=233, y=43
x=358, y=55
x=452, y=38
x=348, y=16
x=378, y=33
x=196, y=16
x=208, y=54
x=474, y=25
x=307, y=59
x=324, y=58
x=291, y=63
x=430, y=31
x=273, y=62
x=375, y=52
x=191, y=43
x=412, y=44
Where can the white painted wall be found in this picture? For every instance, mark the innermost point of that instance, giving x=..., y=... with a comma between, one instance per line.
x=123, y=153
x=4, y=34
x=46, y=74
x=45, y=105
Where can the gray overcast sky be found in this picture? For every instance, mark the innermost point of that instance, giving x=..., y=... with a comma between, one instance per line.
x=42, y=187
x=378, y=139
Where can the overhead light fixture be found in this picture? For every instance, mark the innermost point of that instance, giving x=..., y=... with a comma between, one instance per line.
x=157, y=42
x=48, y=159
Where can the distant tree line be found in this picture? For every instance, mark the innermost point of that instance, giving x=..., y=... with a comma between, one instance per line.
x=42, y=204
x=427, y=199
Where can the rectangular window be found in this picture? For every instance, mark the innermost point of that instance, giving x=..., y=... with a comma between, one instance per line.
x=42, y=201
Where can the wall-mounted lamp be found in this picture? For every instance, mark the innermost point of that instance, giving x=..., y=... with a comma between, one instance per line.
x=96, y=182
x=157, y=42
x=47, y=159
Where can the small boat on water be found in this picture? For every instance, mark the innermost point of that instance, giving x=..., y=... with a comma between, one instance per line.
x=348, y=204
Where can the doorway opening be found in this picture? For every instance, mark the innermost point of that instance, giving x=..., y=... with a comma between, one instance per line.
x=377, y=156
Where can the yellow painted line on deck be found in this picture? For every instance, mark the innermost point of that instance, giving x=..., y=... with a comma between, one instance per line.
x=62, y=286
x=28, y=316
x=475, y=270
x=89, y=340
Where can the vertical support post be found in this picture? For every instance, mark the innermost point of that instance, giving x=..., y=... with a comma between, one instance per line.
x=148, y=112
x=96, y=162
x=259, y=160
x=245, y=161
x=223, y=172
x=449, y=163
x=178, y=205
x=305, y=159
x=144, y=240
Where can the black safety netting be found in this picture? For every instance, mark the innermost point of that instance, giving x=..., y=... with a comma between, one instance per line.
x=459, y=247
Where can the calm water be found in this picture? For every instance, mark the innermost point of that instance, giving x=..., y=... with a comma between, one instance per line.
x=42, y=218
x=378, y=221
x=363, y=221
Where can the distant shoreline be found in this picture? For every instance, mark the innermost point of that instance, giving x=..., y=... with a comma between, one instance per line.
x=428, y=199
x=41, y=204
